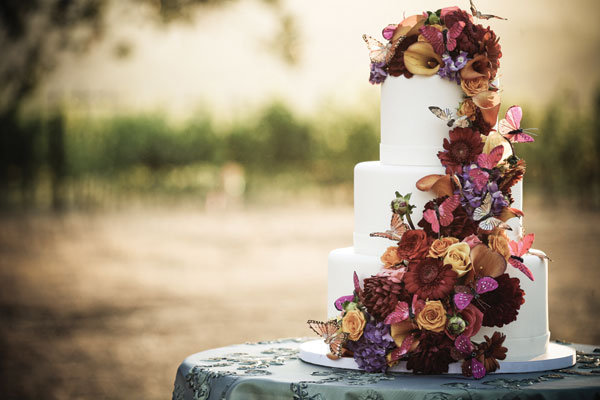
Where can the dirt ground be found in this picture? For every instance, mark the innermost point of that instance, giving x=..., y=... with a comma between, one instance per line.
x=106, y=305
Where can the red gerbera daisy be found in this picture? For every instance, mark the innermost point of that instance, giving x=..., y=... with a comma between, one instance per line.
x=430, y=279
x=463, y=148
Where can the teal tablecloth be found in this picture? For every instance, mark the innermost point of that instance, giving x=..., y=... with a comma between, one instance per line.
x=272, y=370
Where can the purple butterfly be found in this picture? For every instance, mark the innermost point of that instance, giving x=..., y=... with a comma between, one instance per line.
x=465, y=350
x=339, y=303
x=465, y=294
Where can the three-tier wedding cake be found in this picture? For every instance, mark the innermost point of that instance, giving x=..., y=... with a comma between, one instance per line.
x=452, y=279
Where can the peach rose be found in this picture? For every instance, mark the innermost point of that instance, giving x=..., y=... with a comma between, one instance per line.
x=353, y=323
x=390, y=257
x=439, y=247
x=432, y=317
x=499, y=243
x=458, y=256
x=468, y=108
x=471, y=87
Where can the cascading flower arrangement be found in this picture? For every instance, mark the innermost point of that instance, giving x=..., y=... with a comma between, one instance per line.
x=445, y=279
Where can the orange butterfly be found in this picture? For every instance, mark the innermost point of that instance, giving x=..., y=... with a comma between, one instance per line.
x=397, y=229
x=330, y=332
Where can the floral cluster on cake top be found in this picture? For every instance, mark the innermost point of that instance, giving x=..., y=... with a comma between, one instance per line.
x=448, y=43
x=448, y=276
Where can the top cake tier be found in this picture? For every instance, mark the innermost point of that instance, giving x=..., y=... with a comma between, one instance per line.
x=410, y=133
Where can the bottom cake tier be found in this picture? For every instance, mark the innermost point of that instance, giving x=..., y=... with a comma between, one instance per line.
x=526, y=338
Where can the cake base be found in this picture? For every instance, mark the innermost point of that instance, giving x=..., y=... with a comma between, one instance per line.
x=557, y=356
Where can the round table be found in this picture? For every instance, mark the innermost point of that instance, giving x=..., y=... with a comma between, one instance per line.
x=272, y=370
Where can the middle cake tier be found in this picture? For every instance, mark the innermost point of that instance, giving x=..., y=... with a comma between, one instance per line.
x=374, y=187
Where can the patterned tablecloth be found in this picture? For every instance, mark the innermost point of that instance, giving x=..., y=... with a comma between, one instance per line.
x=272, y=370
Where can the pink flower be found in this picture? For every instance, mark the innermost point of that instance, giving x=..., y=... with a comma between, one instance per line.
x=472, y=241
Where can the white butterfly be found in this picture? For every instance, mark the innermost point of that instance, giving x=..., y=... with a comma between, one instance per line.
x=379, y=52
x=483, y=214
x=448, y=117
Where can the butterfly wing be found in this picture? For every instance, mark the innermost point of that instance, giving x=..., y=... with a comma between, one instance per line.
x=489, y=161
x=485, y=285
x=514, y=115
x=521, y=267
x=522, y=246
x=339, y=303
x=453, y=33
x=378, y=51
x=324, y=329
x=399, y=314
x=462, y=122
x=417, y=305
x=489, y=224
x=398, y=352
x=397, y=229
x=431, y=217
x=447, y=208
x=479, y=177
x=484, y=209
x=521, y=137
x=337, y=342
x=434, y=37
x=463, y=344
x=444, y=115
x=477, y=368
x=462, y=300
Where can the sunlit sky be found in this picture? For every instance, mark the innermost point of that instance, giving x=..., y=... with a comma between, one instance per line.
x=221, y=61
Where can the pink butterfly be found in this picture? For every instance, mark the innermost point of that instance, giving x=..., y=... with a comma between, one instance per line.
x=465, y=294
x=403, y=311
x=510, y=126
x=397, y=229
x=486, y=162
x=444, y=211
x=466, y=351
x=518, y=250
x=398, y=352
x=436, y=38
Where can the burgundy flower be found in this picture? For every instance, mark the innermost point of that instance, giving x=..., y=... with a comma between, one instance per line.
x=474, y=318
x=492, y=350
x=413, y=245
x=380, y=296
x=432, y=356
x=491, y=47
x=463, y=148
x=460, y=227
x=501, y=306
x=396, y=65
x=430, y=279
x=480, y=125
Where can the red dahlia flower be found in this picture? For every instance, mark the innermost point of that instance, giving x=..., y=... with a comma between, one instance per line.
x=413, y=245
x=432, y=356
x=462, y=149
x=501, y=306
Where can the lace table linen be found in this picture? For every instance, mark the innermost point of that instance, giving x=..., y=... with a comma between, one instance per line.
x=272, y=370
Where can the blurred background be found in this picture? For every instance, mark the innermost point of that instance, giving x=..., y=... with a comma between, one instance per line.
x=168, y=168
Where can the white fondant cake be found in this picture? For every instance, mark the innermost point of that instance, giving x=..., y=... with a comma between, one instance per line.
x=410, y=139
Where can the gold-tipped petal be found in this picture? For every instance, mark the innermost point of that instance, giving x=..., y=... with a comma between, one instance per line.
x=489, y=104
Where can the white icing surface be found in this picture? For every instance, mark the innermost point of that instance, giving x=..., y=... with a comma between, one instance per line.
x=526, y=338
x=410, y=133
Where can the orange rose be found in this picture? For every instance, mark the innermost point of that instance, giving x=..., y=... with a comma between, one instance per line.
x=432, y=317
x=439, y=247
x=390, y=257
x=499, y=243
x=471, y=87
x=353, y=323
x=468, y=108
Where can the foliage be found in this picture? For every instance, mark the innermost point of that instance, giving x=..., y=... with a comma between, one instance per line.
x=98, y=159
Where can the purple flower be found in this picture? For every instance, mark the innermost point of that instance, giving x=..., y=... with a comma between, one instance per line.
x=472, y=197
x=372, y=347
x=452, y=66
x=378, y=73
